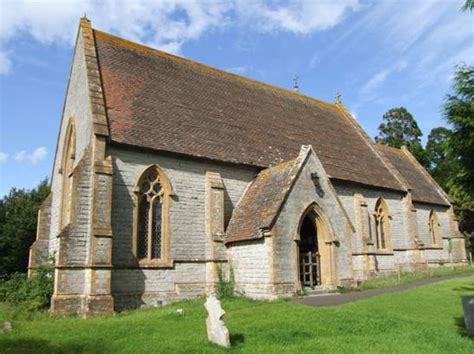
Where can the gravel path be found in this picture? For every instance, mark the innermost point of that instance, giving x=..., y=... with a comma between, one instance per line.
x=338, y=299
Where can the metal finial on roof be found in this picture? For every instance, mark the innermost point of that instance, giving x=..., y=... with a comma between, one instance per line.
x=84, y=18
x=295, y=85
x=338, y=97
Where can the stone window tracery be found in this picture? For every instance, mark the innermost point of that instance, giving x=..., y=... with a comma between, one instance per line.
x=382, y=225
x=151, y=217
x=67, y=168
x=434, y=227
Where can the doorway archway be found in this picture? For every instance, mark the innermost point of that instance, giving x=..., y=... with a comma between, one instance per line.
x=310, y=263
x=315, y=251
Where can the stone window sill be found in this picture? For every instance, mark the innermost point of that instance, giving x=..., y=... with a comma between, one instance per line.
x=158, y=263
x=383, y=253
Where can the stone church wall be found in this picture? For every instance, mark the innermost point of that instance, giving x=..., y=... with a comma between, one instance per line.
x=398, y=226
x=433, y=255
x=189, y=242
x=436, y=256
x=251, y=262
x=77, y=106
x=395, y=204
x=39, y=249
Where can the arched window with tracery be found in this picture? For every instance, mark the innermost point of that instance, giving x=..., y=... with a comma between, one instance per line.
x=434, y=227
x=382, y=225
x=67, y=168
x=151, y=216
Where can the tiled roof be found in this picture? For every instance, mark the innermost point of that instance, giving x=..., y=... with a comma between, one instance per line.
x=423, y=188
x=159, y=101
x=262, y=201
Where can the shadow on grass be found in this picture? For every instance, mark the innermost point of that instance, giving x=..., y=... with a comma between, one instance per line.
x=465, y=288
x=462, y=327
x=288, y=337
x=236, y=339
x=37, y=346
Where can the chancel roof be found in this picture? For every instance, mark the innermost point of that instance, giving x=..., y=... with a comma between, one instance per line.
x=423, y=187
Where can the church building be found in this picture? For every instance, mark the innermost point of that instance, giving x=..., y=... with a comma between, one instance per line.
x=170, y=174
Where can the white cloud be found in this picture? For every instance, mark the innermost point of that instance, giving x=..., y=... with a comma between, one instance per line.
x=166, y=25
x=33, y=157
x=405, y=23
x=162, y=24
x=5, y=63
x=3, y=156
x=430, y=36
x=379, y=78
x=300, y=16
x=375, y=81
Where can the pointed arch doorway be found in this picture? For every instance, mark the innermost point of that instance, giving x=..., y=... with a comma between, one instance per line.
x=315, y=249
x=310, y=261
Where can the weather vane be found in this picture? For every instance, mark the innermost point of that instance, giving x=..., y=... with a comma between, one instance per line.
x=338, y=97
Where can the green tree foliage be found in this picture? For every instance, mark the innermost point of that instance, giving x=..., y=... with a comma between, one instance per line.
x=459, y=112
x=468, y=5
x=32, y=293
x=441, y=166
x=400, y=128
x=18, y=214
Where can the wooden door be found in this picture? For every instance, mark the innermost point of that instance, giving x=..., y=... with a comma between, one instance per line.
x=310, y=271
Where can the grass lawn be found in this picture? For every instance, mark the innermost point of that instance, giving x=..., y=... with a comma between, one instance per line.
x=428, y=319
x=410, y=277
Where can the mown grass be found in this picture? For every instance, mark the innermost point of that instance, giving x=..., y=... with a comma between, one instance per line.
x=411, y=277
x=428, y=319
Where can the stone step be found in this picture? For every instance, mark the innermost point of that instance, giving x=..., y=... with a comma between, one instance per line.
x=318, y=290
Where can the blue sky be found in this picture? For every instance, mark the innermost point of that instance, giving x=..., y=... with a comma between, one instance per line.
x=377, y=54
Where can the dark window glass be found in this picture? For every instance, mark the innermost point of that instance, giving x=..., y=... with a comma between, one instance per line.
x=145, y=187
x=142, y=235
x=152, y=176
x=156, y=229
x=149, y=237
x=382, y=234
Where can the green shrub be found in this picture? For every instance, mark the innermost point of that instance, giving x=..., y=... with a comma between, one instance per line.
x=301, y=293
x=33, y=293
x=225, y=287
x=11, y=290
x=344, y=289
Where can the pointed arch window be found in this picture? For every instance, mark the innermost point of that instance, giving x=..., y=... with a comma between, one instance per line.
x=382, y=225
x=152, y=193
x=434, y=227
x=67, y=168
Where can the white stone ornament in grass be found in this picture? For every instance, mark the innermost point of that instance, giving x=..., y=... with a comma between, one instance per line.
x=217, y=332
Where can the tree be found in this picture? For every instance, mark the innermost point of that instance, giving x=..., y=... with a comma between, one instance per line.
x=441, y=165
x=400, y=128
x=18, y=218
x=459, y=112
x=468, y=5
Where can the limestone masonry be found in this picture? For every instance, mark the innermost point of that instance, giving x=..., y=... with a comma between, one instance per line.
x=169, y=174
